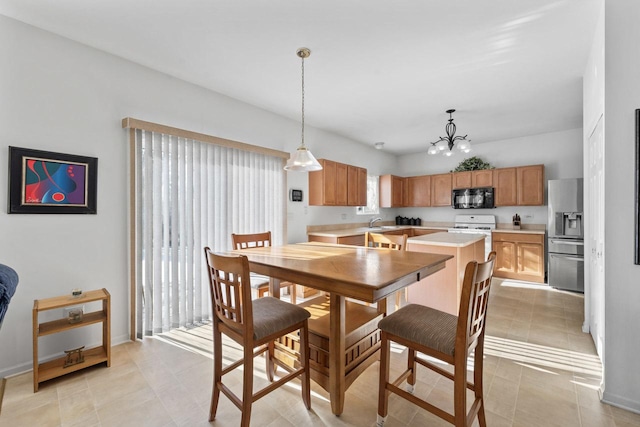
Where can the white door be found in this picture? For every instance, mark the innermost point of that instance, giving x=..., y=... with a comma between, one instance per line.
x=595, y=231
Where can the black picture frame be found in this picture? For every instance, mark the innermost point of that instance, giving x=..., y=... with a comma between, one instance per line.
x=44, y=182
x=636, y=259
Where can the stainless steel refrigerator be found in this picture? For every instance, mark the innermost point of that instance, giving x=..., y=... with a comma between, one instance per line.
x=566, y=234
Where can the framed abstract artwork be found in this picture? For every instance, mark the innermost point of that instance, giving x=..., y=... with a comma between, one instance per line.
x=46, y=182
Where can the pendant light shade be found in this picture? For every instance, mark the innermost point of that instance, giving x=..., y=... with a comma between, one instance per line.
x=302, y=160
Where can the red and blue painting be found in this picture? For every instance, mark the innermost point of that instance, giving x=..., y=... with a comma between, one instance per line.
x=47, y=182
x=53, y=183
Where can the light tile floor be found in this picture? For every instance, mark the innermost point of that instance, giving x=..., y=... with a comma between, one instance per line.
x=540, y=370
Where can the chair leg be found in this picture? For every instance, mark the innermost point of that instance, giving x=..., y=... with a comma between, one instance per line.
x=270, y=365
x=383, y=393
x=411, y=366
x=217, y=371
x=477, y=381
x=247, y=386
x=460, y=394
x=304, y=361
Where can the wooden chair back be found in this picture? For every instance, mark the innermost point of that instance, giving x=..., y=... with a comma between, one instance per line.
x=390, y=241
x=230, y=291
x=473, y=304
x=255, y=240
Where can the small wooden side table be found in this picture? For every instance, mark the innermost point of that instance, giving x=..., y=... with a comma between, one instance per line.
x=79, y=360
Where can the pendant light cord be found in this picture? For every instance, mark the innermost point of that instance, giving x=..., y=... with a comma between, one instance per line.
x=303, y=101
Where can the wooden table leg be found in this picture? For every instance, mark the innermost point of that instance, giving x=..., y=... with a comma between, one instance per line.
x=337, y=382
x=274, y=291
x=274, y=287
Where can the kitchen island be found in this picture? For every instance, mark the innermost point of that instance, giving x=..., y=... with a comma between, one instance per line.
x=442, y=290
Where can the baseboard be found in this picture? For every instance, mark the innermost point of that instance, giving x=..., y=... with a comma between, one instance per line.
x=621, y=402
x=3, y=383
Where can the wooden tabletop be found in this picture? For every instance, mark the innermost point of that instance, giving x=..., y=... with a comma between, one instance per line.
x=367, y=274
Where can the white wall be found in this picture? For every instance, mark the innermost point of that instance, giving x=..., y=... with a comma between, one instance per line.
x=57, y=95
x=560, y=152
x=622, y=283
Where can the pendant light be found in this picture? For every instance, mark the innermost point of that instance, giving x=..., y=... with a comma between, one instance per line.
x=302, y=160
x=448, y=142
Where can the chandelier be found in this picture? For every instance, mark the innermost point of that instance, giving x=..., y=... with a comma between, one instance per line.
x=441, y=145
x=302, y=160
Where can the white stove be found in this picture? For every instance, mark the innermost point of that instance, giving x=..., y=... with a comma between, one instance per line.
x=476, y=224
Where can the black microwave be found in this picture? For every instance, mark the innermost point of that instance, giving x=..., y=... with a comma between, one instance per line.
x=472, y=198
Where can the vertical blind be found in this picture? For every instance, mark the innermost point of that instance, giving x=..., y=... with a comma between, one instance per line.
x=192, y=194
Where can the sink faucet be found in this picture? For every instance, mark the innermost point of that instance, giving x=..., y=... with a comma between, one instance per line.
x=373, y=221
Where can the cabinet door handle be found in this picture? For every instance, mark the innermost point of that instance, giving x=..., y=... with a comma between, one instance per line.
x=569, y=258
x=564, y=242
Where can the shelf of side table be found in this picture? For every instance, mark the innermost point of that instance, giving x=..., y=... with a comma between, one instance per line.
x=94, y=356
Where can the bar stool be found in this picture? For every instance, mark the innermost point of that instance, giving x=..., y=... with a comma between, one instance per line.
x=445, y=337
x=254, y=324
x=259, y=282
x=391, y=241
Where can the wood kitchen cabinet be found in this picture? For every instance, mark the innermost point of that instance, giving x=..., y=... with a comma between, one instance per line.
x=337, y=184
x=341, y=184
x=504, y=181
x=520, y=186
x=441, y=189
x=391, y=192
x=530, y=181
x=472, y=179
x=483, y=178
x=362, y=187
x=419, y=191
x=519, y=256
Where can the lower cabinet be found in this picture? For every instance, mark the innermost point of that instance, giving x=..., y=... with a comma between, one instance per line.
x=519, y=256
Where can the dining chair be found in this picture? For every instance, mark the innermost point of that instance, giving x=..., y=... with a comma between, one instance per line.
x=391, y=241
x=445, y=337
x=253, y=324
x=259, y=282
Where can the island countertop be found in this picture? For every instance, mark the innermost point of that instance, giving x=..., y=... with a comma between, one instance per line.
x=446, y=239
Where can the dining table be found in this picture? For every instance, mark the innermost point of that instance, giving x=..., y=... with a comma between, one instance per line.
x=343, y=326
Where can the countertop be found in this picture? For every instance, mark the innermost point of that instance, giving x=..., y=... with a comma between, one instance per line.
x=361, y=230
x=446, y=239
x=346, y=230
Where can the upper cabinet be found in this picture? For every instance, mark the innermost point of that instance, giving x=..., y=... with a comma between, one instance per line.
x=419, y=191
x=504, y=182
x=483, y=178
x=356, y=186
x=338, y=184
x=461, y=179
x=441, y=189
x=521, y=186
x=472, y=179
x=530, y=185
x=391, y=192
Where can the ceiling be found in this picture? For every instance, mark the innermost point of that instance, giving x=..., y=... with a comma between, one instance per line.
x=378, y=71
